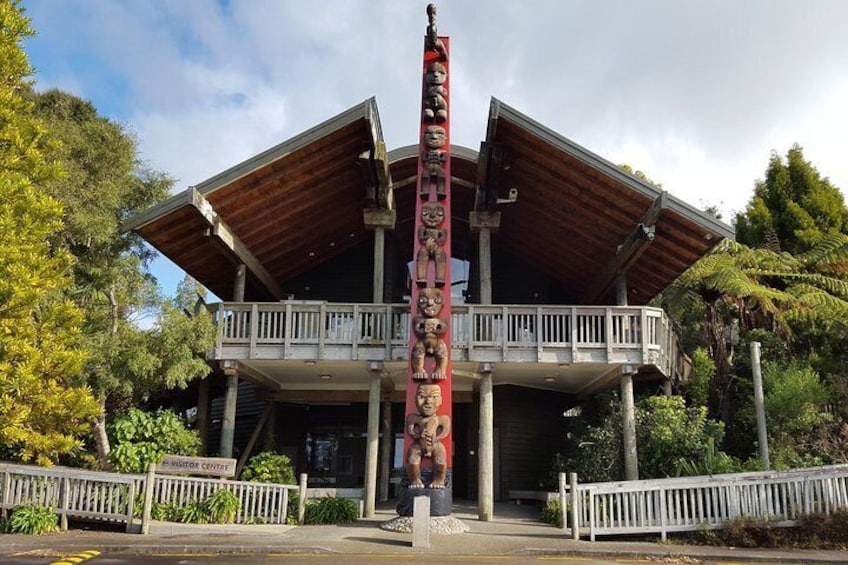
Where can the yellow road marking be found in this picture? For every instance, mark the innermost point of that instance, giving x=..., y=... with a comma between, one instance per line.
x=78, y=558
x=564, y=558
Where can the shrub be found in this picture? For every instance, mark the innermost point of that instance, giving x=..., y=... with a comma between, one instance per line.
x=269, y=467
x=330, y=510
x=33, y=519
x=194, y=513
x=222, y=506
x=551, y=513
x=166, y=511
x=140, y=438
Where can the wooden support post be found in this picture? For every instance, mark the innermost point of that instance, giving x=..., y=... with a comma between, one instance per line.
x=379, y=264
x=563, y=511
x=130, y=506
x=254, y=437
x=373, y=440
x=240, y=283
x=64, y=501
x=628, y=416
x=575, y=506
x=301, y=500
x=486, y=458
x=228, y=424
x=202, y=417
x=148, y=498
x=386, y=450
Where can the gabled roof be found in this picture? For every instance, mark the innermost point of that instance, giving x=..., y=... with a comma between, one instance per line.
x=574, y=209
x=283, y=211
x=300, y=203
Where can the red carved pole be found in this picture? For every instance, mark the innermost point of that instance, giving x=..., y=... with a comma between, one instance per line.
x=427, y=443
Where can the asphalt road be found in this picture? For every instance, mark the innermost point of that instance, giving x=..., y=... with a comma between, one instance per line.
x=336, y=559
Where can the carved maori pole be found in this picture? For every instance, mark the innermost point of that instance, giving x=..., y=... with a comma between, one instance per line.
x=427, y=429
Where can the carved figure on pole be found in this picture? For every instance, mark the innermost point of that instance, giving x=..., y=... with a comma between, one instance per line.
x=433, y=157
x=427, y=430
x=435, y=105
x=432, y=237
x=429, y=328
x=432, y=41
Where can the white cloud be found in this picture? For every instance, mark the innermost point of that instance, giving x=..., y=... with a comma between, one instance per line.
x=696, y=94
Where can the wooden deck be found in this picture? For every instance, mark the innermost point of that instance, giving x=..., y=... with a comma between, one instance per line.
x=564, y=335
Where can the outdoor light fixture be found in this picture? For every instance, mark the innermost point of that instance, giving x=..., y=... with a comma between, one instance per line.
x=309, y=363
x=550, y=379
x=326, y=377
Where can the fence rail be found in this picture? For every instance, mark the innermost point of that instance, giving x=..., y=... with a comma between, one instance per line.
x=694, y=503
x=572, y=334
x=114, y=497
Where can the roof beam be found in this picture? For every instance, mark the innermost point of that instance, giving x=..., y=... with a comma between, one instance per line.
x=378, y=178
x=222, y=234
x=634, y=245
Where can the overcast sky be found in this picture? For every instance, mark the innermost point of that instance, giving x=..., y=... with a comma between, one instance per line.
x=695, y=93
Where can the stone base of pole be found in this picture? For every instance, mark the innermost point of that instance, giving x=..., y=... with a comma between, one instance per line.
x=441, y=499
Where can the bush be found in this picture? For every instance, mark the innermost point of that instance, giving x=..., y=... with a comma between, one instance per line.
x=140, y=438
x=551, y=513
x=331, y=511
x=269, y=467
x=33, y=519
x=814, y=531
x=222, y=506
x=194, y=513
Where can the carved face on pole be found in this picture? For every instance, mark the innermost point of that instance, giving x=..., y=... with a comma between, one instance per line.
x=432, y=214
x=436, y=74
x=428, y=399
x=434, y=136
x=430, y=302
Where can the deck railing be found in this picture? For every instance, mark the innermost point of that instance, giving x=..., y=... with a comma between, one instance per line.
x=707, y=502
x=559, y=334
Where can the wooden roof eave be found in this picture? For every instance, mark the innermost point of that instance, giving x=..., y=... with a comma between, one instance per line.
x=498, y=110
x=366, y=110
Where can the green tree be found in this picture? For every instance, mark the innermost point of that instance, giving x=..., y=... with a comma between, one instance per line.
x=43, y=409
x=792, y=208
x=130, y=357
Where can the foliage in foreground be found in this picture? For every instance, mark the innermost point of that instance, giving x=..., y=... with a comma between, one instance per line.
x=220, y=507
x=141, y=438
x=551, y=513
x=815, y=531
x=269, y=467
x=330, y=510
x=32, y=519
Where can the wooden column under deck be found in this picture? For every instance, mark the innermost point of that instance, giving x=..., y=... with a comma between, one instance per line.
x=228, y=423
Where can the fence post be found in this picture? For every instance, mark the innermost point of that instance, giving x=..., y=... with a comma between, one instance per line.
x=662, y=499
x=148, y=498
x=561, y=493
x=301, y=500
x=7, y=492
x=131, y=506
x=64, y=500
x=575, y=506
x=591, y=515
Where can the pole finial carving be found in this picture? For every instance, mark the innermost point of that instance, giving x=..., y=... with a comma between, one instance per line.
x=433, y=42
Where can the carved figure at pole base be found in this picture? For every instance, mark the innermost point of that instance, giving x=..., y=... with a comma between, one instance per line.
x=432, y=41
x=433, y=158
x=427, y=429
x=432, y=237
x=429, y=328
x=435, y=104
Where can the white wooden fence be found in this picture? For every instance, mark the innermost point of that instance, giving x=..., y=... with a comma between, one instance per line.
x=113, y=497
x=694, y=503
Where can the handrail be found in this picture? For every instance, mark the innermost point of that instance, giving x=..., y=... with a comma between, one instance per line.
x=555, y=333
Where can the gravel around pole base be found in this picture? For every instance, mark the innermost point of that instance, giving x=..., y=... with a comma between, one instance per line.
x=438, y=525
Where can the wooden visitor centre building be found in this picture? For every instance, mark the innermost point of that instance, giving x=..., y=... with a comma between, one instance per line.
x=556, y=253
